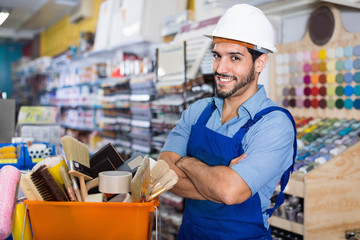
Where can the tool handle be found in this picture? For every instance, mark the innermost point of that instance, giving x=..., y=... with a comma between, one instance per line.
x=76, y=188
x=154, y=195
x=82, y=187
x=91, y=184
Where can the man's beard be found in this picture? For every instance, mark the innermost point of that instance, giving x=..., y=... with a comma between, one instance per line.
x=246, y=80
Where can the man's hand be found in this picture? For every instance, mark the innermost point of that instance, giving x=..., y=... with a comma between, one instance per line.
x=237, y=160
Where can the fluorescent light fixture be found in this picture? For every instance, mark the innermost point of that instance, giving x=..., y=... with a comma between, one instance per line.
x=3, y=15
x=68, y=2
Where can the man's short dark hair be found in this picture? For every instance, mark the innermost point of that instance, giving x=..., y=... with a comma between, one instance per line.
x=254, y=54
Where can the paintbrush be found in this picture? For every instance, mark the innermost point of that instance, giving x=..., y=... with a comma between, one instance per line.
x=160, y=169
x=28, y=188
x=91, y=184
x=77, y=155
x=75, y=150
x=82, y=173
x=76, y=188
x=69, y=189
x=140, y=184
x=165, y=180
x=47, y=186
x=169, y=184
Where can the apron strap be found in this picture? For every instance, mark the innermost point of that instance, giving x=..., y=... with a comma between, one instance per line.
x=205, y=115
x=285, y=177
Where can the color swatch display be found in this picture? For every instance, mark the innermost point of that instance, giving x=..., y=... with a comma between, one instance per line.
x=319, y=140
x=327, y=78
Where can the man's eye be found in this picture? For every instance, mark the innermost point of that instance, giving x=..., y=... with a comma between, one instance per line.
x=235, y=58
x=216, y=55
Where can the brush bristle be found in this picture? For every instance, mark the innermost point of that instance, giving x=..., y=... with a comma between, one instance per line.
x=167, y=181
x=160, y=169
x=75, y=150
x=167, y=177
x=170, y=183
x=47, y=186
x=28, y=188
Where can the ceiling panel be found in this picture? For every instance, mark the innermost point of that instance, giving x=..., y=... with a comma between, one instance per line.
x=28, y=17
x=47, y=15
x=32, y=16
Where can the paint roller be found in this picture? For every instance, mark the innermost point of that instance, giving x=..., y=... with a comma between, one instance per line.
x=9, y=180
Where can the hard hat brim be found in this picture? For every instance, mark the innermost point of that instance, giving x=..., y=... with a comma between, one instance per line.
x=248, y=45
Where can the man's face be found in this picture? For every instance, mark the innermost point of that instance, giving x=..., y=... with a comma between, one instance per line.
x=233, y=69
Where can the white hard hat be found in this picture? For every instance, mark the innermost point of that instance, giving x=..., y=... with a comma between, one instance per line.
x=248, y=24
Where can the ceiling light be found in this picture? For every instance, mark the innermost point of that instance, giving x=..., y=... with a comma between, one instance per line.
x=4, y=13
x=68, y=2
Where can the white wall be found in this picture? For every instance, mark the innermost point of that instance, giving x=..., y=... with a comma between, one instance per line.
x=294, y=28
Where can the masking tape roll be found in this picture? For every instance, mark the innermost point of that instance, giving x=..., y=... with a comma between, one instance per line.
x=19, y=232
x=114, y=182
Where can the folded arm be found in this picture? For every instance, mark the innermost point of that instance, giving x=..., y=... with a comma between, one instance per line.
x=200, y=181
x=184, y=187
x=216, y=183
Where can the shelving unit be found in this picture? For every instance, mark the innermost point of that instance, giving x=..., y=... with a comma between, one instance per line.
x=95, y=94
x=142, y=93
x=331, y=198
x=330, y=191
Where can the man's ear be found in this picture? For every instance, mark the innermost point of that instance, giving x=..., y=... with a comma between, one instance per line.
x=260, y=62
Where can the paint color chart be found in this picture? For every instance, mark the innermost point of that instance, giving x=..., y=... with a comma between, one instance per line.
x=318, y=80
x=324, y=78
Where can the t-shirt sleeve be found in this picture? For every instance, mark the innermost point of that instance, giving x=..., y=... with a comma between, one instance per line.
x=269, y=145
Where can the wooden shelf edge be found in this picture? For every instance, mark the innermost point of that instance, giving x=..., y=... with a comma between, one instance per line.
x=287, y=225
x=295, y=185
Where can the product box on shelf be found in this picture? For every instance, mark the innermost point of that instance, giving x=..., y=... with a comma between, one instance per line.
x=12, y=154
x=36, y=152
x=40, y=123
x=41, y=133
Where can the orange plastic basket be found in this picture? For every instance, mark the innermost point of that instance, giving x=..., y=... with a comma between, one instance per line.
x=91, y=220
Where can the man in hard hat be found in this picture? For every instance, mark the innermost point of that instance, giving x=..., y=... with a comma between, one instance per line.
x=227, y=195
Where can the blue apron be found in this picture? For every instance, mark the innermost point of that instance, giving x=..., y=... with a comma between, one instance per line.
x=203, y=219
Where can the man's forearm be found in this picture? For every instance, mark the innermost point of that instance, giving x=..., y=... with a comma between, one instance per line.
x=184, y=187
x=199, y=175
x=218, y=183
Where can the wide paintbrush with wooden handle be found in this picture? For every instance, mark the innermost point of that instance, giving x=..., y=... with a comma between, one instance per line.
x=77, y=155
x=162, y=179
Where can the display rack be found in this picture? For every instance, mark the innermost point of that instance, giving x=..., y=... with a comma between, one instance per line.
x=330, y=191
x=331, y=198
